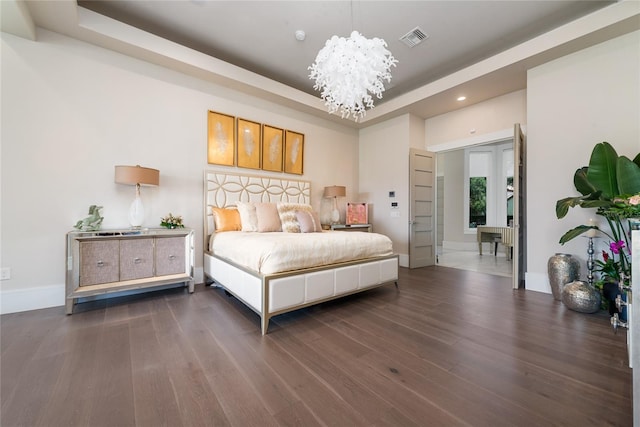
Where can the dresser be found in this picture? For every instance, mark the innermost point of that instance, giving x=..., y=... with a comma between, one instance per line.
x=108, y=261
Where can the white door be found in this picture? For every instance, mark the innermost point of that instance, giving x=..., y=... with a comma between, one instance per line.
x=422, y=247
x=519, y=197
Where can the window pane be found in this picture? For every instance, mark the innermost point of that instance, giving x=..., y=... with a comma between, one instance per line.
x=509, y=201
x=477, y=201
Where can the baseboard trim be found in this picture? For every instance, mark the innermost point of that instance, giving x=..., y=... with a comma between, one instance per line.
x=18, y=300
x=460, y=246
x=537, y=282
x=36, y=298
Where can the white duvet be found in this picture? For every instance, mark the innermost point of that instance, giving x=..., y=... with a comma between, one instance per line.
x=270, y=253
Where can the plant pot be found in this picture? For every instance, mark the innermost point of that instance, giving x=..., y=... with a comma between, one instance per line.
x=582, y=297
x=562, y=269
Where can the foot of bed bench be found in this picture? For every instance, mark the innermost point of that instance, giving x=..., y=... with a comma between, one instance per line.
x=396, y=283
x=265, y=325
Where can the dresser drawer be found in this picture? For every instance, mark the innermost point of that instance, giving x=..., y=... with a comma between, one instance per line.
x=99, y=262
x=136, y=258
x=170, y=255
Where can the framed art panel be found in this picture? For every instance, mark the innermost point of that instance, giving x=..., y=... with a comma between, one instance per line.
x=221, y=138
x=272, y=141
x=249, y=144
x=357, y=213
x=293, y=152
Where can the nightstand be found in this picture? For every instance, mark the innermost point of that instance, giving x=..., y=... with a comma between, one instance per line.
x=352, y=227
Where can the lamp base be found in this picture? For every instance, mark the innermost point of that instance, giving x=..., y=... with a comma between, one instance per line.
x=335, y=216
x=136, y=213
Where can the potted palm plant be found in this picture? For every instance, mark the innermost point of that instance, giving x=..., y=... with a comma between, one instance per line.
x=611, y=185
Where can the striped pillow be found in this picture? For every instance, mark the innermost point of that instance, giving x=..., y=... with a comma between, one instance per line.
x=309, y=222
x=287, y=212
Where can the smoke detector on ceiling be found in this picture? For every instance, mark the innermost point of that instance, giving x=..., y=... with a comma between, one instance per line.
x=414, y=37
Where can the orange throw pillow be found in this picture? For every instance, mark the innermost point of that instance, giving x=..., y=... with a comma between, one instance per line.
x=226, y=219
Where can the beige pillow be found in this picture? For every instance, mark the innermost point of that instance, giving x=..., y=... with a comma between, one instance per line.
x=226, y=219
x=309, y=222
x=248, y=216
x=287, y=212
x=268, y=218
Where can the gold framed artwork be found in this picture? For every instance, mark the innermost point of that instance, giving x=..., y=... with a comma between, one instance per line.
x=249, y=144
x=293, y=152
x=221, y=139
x=272, y=143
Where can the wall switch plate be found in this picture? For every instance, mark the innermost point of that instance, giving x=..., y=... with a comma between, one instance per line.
x=394, y=205
x=5, y=273
x=392, y=194
x=395, y=214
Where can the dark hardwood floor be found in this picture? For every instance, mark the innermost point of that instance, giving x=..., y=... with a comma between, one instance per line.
x=450, y=347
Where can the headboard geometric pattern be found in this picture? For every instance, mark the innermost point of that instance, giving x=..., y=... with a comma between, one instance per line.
x=224, y=189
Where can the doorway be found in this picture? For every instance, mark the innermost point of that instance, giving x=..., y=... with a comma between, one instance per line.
x=471, y=195
x=456, y=242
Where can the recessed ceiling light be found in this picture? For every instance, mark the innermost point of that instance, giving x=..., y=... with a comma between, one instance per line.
x=462, y=98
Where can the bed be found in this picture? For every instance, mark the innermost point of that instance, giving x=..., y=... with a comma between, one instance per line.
x=271, y=287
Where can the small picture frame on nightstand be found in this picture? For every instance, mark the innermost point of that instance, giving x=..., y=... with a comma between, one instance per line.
x=357, y=213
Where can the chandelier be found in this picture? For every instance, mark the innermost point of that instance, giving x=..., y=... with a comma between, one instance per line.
x=348, y=71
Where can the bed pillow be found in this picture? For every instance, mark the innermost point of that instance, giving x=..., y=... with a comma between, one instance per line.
x=226, y=219
x=287, y=213
x=248, y=216
x=309, y=222
x=268, y=218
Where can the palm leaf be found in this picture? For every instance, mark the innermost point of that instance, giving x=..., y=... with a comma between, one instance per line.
x=582, y=183
x=602, y=169
x=628, y=176
x=575, y=232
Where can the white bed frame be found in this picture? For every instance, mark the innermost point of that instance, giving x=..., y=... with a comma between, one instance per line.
x=273, y=294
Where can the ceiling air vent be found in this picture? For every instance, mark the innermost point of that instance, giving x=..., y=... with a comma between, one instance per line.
x=414, y=37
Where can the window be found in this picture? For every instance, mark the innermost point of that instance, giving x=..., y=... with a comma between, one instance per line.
x=477, y=186
x=477, y=201
x=488, y=186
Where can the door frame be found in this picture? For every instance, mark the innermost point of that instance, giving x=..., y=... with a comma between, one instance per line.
x=503, y=135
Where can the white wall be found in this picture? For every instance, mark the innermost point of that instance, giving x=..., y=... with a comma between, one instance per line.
x=572, y=104
x=71, y=111
x=384, y=164
x=476, y=120
x=454, y=237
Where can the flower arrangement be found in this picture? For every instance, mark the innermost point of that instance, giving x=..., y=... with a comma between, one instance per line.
x=171, y=221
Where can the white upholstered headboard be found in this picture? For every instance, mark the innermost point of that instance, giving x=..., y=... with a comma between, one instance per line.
x=223, y=189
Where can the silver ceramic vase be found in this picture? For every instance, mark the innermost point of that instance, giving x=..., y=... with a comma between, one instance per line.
x=581, y=296
x=562, y=269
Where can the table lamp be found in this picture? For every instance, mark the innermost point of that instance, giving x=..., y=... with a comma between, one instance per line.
x=137, y=175
x=334, y=192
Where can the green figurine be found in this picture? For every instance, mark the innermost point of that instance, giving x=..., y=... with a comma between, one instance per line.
x=93, y=222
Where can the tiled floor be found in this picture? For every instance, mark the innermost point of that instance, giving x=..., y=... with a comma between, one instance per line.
x=471, y=260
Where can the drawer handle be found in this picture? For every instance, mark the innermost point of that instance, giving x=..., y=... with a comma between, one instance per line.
x=172, y=257
x=137, y=260
x=100, y=263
